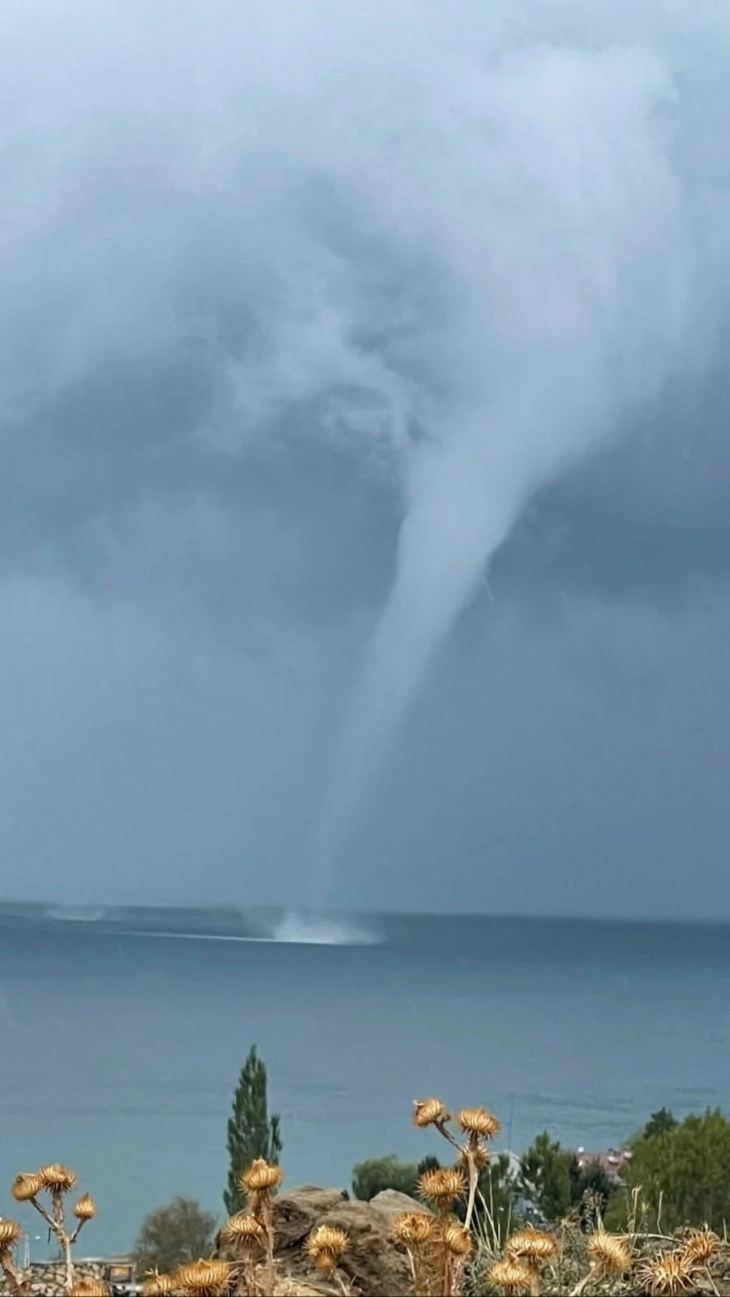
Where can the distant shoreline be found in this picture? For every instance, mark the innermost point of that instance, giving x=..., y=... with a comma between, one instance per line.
x=270, y=924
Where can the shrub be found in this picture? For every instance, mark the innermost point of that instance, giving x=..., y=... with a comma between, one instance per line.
x=547, y=1177
x=379, y=1173
x=683, y=1172
x=170, y=1235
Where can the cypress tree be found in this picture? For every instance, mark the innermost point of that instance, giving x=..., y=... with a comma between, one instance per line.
x=251, y=1132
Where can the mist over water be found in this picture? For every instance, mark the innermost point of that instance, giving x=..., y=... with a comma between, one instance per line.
x=311, y=930
x=570, y=295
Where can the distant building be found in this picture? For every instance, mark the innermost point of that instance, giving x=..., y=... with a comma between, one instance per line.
x=612, y=1161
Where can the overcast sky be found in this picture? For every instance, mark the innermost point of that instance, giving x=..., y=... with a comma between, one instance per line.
x=253, y=259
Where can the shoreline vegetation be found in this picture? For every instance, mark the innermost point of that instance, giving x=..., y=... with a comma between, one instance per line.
x=464, y=1223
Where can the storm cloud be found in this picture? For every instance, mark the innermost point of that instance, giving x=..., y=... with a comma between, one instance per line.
x=242, y=286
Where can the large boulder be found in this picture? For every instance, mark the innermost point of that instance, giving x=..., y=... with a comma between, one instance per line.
x=373, y=1263
x=297, y=1212
x=392, y=1203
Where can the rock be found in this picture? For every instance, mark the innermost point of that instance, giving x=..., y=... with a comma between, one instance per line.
x=393, y=1203
x=373, y=1263
x=288, y=1287
x=297, y=1212
x=47, y=1278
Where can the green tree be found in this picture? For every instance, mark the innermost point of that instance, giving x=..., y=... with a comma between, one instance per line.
x=497, y=1188
x=251, y=1132
x=683, y=1173
x=371, y=1177
x=659, y=1123
x=545, y=1177
x=181, y=1231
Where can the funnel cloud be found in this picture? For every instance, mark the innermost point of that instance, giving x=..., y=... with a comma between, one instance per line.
x=365, y=502
x=549, y=344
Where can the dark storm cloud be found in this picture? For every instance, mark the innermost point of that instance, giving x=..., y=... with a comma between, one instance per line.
x=233, y=250
x=145, y=222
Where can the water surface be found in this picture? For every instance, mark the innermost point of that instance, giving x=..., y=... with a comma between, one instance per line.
x=120, y=1052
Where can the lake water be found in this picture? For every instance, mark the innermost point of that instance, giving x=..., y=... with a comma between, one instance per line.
x=120, y=1053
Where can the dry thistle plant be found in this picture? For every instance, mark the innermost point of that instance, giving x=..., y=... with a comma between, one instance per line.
x=26, y=1187
x=697, y=1251
x=533, y=1249
x=667, y=1275
x=438, y=1249
x=250, y=1233
x=90, y=1287
x=56, y=1181
x=246, y=1235
x=429, y=1112
x=326, y=1245
x=202, y=1279
x=512, y=1277
x=457, y=1240
x=683, y=1269
x=158, y=1285
x=609, y=1255
x=415, y=1231
x=477, y=1124
x=442, y=1188
x=260, y=1182
x=10, y=1232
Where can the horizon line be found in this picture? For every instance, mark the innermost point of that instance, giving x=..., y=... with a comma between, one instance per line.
x=231, y=907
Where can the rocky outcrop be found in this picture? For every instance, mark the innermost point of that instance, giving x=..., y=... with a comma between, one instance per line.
x=373, y=1263
x=392, y=1203
x=296, y=1214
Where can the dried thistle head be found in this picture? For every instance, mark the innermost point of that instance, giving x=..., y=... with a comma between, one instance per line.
x=609, y=1253
x=477, y=1121
x=260, y=1177
x=326, y=1247
x=10, y=1232
x=57, y=1178
x=699, y=1248
x=426, y=1112
x=457, y=1240
x=85, y=1208
x=203, y=1279
x=412, y=1228
x=533, y=1246
x=158, y=1285
x=243, y=1230
x=442, y=1186
x=668, y=1275
x=25, y=1187
x=89, y=1286
x=513, y=1278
